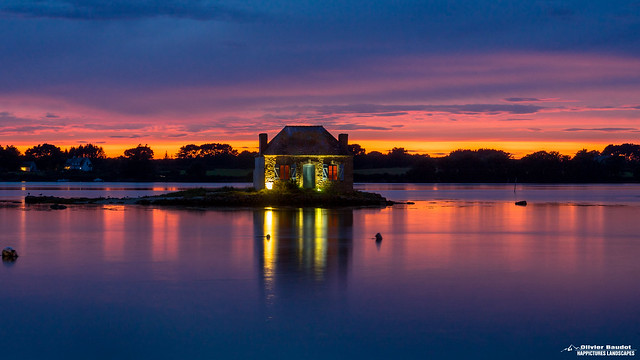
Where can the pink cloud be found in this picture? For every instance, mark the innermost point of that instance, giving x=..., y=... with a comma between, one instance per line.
x=492, y=97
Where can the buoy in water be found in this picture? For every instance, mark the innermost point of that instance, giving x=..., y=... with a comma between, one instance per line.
x=378, y=237
x=9, y=253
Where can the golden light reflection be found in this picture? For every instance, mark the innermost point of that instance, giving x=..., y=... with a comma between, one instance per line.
x=304, y=243
x=270, y=240
x=300, y=231
x=320, y=242
x=23, y=229
x=165, y=188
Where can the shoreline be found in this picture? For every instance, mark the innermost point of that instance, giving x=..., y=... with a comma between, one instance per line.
x=231, y=197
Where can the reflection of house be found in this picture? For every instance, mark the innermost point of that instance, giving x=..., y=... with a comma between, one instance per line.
x=82, y=164
x=28, y=166
x=307, y=256
x=308, y=156
x=306, y=247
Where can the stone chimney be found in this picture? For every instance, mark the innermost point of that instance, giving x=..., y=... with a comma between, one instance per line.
x=262, y=139
x=343, y=139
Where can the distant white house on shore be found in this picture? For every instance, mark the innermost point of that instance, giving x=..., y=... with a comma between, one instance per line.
x=81, y=164
x=28, y=166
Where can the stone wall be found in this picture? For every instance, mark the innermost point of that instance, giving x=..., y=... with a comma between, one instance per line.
x=258, y=173
x=318, y=161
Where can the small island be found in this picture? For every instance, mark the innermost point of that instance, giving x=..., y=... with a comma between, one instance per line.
x=236, y=197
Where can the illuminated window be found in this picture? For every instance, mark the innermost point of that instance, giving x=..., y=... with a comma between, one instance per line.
x=330, y=172
x=284, y=172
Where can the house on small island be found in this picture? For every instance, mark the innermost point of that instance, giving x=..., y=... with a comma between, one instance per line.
x=307, y=156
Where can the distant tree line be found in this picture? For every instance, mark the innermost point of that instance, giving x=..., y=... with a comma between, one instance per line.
x=616, y=163
x=221, y=162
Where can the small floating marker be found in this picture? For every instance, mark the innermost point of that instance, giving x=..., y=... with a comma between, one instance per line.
x=378, y=237
x=57, y=207
x=9, y=253
x=521, y=203
x=268, y=236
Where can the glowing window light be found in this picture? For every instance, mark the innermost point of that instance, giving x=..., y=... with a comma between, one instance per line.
x=269, y=185
x=269, y=250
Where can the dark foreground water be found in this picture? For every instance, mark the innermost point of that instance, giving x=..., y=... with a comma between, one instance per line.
x=462, y=273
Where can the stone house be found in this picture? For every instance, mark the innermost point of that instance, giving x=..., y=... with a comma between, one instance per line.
x=308, y=156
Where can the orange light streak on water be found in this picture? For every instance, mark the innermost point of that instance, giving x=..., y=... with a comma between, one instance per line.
x=164, y=242
x=113, y=227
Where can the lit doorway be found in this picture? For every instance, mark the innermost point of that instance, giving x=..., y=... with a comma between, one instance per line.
x=308, y=176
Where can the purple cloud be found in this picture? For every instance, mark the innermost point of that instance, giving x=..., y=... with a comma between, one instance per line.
x=375, y=109
x=610, y=129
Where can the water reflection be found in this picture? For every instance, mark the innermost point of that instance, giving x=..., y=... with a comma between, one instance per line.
x=177, y=283
x=301, y=247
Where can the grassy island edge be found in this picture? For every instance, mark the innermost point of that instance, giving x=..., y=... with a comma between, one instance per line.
x=235, y=197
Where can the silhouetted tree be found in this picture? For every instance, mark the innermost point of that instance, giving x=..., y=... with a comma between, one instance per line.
x=622, y=162
x=189, y=151
x=137, y=163
x=476, y=166
x=356, y=149
x=374, y=159
x=9, y=158
x=139, y=153
x=192, y=151
x=616, y=163
x=543, y=166
x=246, y=159
x=46, y=156
x=587, y=166
x=215, y=149
x=89, y=151
x=630, y=152
x=424, y=170
x=398, y=157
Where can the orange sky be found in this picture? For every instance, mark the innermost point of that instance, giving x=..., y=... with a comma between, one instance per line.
x=433, y=148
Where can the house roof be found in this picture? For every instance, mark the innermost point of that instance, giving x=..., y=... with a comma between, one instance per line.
x=304, y=140
x=78, y=161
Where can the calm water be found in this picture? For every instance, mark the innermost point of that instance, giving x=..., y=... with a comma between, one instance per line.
x=18, y=190
x=462, y=273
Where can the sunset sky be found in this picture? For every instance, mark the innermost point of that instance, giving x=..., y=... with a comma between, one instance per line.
x=429, y=76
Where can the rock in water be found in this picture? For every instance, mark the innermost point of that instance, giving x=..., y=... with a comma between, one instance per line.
x=9, y=253
x=378, y=237
x=521, y=203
